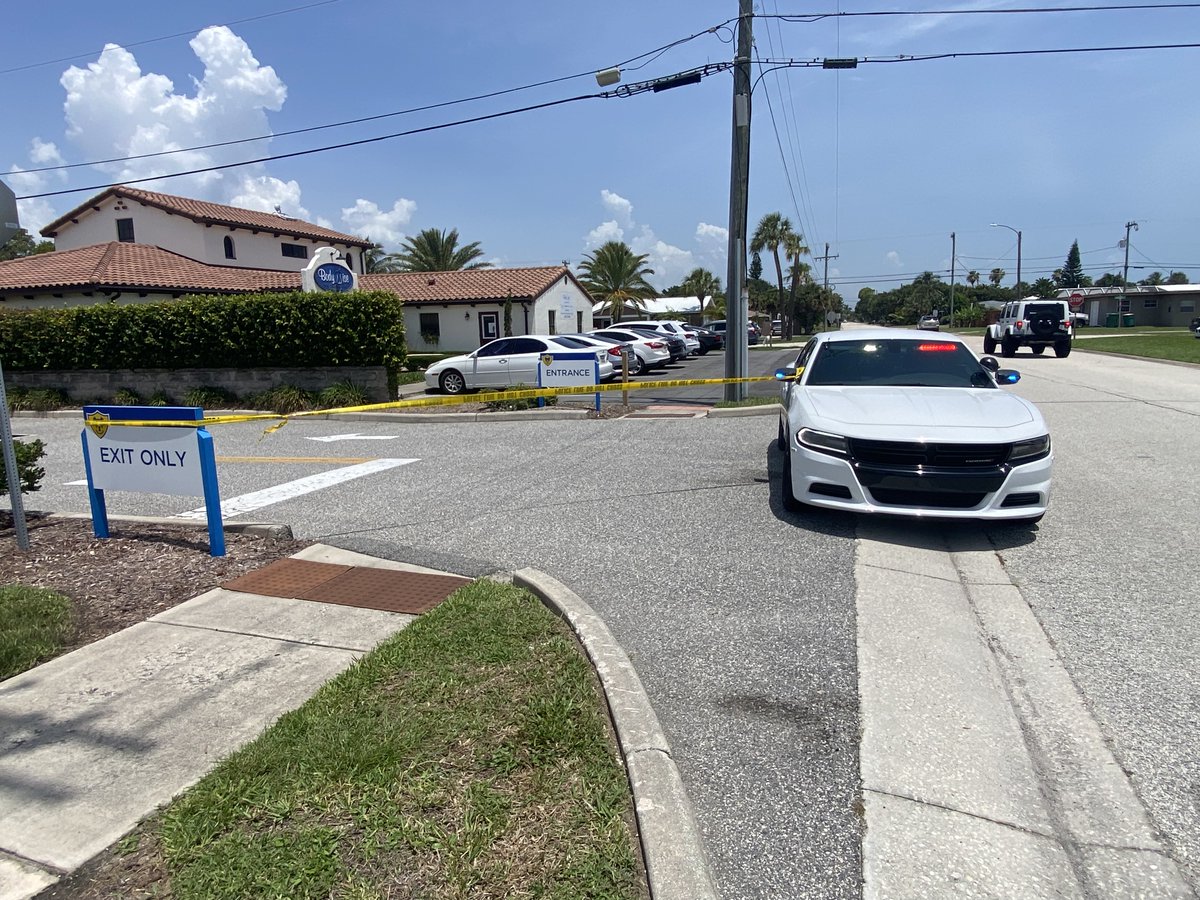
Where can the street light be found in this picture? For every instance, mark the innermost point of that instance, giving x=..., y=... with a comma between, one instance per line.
x=1018, y=234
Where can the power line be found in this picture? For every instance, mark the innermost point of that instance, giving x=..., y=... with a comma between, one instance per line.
x=817, y=17
x=623, y=91
x=167, y=37
x=649, y=56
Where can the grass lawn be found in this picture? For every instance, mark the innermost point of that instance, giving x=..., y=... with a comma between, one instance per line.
x=468, y=756
x=1179, y=346
x=34, y=626
x=748, y=401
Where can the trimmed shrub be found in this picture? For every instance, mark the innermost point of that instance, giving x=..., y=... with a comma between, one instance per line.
x=520, y=403
x=127, y=397
x=284, y=398
x=296, y=329
x=29, y=472
x=210, y=398
x=344, y=393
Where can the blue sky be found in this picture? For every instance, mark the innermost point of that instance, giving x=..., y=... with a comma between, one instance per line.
x=883, y=162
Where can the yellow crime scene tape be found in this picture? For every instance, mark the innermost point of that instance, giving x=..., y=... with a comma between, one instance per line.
x=530, y=393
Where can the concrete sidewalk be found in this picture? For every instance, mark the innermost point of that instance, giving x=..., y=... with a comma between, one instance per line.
x=94, y=741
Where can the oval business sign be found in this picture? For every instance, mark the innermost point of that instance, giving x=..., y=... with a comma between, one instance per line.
x=332, y=277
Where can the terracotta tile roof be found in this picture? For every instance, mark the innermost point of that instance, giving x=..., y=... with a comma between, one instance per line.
x=468, y=286
x=213, y=214
x=117, y=265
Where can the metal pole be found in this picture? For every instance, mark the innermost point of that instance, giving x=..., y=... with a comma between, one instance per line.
x=1125, y=271
x=952, y=253
x=1018, y=286
x=736, y=338
x=10, y=469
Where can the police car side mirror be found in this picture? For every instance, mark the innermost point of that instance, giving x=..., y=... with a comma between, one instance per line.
x=785, y=373
x=1007, y=376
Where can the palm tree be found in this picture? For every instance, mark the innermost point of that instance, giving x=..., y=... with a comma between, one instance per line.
x=435, y=251
x=972, y=278
x=701, y=283
x=376, y=261
x=996, y=276
x=615, y=275
x=771, y=233
x=794, y=248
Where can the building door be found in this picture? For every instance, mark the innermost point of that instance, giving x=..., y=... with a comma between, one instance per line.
x=489, y=326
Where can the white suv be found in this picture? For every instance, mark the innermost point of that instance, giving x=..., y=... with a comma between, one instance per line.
x=668, y=326
x=1036, y=324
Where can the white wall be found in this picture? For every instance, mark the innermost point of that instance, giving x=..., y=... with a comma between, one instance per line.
x=62, y=300
x=179, y=234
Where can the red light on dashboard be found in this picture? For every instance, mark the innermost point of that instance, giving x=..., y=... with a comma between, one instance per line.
x=937, y=348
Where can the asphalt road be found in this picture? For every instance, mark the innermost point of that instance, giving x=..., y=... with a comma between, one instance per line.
x=740, y=618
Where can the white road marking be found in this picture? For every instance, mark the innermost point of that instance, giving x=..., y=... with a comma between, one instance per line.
x=245, y=503
x=82, y=481
x=354, y=436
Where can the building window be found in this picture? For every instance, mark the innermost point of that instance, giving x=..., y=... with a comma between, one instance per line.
x=349, y=260
x=579, y=320
x=1187, y=305
x=431, y=328
x=552, y=330
x=295, y=251
x=125, y=231
x=230, y=253
x=1150, y=303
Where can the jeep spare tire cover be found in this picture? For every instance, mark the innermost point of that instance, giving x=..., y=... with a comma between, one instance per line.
x=1043, y=324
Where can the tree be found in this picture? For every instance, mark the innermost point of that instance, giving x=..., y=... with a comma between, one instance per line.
x=1071, y=274
x=996, y=276
x=22, y=244
x=794, y=247
x=1044, y=287
x=1108, y=279
x=436, y=251
x=375, y=261
x=508, y=314
x=755, y=271
x=1153, y=279
x=772, y=231
x=701, y=283
x=972, y=278
x=1177, y=278
x=615, y=275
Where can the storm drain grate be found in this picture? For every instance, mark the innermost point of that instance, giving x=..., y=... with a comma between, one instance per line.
x=365, y=587
x=285, y=578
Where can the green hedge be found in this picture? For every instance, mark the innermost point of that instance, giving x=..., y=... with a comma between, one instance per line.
x=29, y=473
x=252, y=330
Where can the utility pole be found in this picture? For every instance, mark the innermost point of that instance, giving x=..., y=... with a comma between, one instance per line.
x=953, y=244
x=825, y=280
x=736, y=297
x=1125, y=270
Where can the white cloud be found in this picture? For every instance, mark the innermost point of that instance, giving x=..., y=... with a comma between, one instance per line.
x=621, y=208
x=713, y=233
x=365, y=218
x=894, y=258
x=113, y=109
x=266, y=193
x=602, y=233
x=36, y=214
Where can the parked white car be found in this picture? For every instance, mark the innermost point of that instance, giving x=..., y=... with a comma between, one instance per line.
x=650, y=353
x=668, y=326
x=910, y=424
x=505, y=362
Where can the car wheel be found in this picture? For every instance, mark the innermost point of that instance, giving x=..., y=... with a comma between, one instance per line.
x=989, y=344
x=1038, y=349
x=1008, y=346
x=636, y=366
x=790, y=503
x=1062, y=349
x=452, y=382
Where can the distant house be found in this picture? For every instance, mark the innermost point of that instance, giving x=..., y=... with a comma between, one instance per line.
x=1161, y=304
x=132, y=246
x=687, y=309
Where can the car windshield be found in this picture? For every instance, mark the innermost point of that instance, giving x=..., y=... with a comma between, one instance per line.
x=898, y=362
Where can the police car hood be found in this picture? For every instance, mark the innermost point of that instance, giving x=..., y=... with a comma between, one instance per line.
x=922, y=413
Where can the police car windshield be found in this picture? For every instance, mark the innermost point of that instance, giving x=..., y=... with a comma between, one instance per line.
x=909, y=363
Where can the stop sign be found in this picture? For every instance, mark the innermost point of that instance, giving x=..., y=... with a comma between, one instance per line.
x=1075, y=301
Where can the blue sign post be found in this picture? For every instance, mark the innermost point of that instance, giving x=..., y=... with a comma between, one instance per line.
x=164, y=459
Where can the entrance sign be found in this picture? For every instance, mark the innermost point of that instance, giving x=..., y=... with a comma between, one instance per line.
x=164, y=459
x=568, y=370
x=327, y=271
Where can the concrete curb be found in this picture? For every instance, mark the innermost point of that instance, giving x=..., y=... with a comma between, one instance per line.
x=676, y=863
x=734, y=412
x=259, y=529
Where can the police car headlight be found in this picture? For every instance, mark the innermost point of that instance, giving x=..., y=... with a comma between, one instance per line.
x=1031, y=450
x=823, y=442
